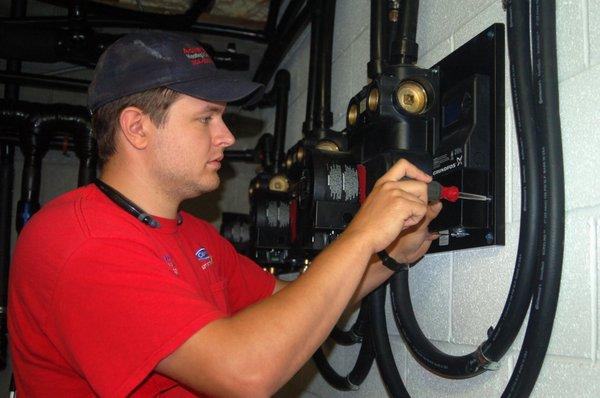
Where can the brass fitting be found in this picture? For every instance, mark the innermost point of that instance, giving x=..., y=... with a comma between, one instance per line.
x=373, y=100
x=300, y=154
x=353, y=114
x=411, y=97
x=327, y=145
x=279, y=183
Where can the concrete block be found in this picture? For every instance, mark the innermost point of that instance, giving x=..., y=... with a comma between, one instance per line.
x=480, y=283
x=592, y=8
x=438, y=19
x=296, y=62
x=491, y=14
x=565, y=377
x=572, y=333
x=342, y=85
x=570, y=37
x=435, y=54
x=351, y=19
x=361, y=54
x=580, y=120
x=296, y=116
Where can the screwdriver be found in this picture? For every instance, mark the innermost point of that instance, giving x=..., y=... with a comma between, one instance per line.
x=436, y=192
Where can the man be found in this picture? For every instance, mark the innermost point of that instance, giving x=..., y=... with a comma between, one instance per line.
x=106, y=304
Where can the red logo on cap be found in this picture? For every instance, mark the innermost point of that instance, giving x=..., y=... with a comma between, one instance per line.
x=197, y=55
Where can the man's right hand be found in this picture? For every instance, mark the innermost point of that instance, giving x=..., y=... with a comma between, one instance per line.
x=398, y=201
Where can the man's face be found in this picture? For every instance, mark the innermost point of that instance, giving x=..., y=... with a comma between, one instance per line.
x=186, y=151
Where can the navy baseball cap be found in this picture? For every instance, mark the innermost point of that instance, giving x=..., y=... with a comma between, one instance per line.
x=149, y=59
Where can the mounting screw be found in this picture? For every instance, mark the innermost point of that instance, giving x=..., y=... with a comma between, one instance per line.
x=489, y=238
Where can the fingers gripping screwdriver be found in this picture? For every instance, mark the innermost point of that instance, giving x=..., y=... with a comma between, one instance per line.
x=437, y=192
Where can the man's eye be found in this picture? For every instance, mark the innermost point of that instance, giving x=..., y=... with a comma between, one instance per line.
x=205, y=120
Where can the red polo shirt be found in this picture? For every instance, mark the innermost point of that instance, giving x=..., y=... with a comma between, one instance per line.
x=98, y=298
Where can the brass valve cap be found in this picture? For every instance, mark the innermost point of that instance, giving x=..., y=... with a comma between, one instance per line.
x=411, y=97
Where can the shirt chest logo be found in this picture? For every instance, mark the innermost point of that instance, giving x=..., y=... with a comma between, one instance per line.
x=203, y=257
x=171, y=264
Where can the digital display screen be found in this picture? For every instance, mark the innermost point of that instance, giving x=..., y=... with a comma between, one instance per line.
x=451, y=112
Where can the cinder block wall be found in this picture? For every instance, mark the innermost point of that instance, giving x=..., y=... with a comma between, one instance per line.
x=458, y=296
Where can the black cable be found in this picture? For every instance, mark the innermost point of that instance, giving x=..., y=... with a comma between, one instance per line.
x=502, y=336
x=381, y=343
x=545, y=299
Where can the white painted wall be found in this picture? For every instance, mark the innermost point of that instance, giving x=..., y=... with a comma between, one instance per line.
x=457, y=296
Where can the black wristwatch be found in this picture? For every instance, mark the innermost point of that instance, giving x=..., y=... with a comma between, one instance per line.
x=391, y=263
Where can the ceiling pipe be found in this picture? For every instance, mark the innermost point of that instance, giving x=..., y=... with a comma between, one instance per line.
x=288, y=30
x=120, y=22
x=79, y=46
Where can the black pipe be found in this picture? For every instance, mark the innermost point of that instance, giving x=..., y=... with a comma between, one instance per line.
x=278, y=48
x=289, y=16
x=271, y=24
x=282, y=85
x=18, y=8
x=76, y=121
x=313, y=64
x=381, y=342
x=183, y=20
x=378, y=39
x=124, y=22
x=325, y=15
x=34, y=145
x=545, y=299
x=404, y=48
x=54, y=82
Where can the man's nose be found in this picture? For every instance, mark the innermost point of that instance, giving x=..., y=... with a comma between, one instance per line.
x=224, y=136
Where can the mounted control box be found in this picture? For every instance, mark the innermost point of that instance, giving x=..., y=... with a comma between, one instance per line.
x=468, y=150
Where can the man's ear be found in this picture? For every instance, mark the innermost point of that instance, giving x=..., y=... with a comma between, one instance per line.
x=133, y=123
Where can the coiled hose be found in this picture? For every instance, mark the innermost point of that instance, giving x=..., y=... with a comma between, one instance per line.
x=356, y=334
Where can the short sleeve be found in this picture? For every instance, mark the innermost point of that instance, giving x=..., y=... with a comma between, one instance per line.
x=118, y=311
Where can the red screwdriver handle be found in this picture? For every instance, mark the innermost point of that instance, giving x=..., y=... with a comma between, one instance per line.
x=450, y=193
x=436, y=192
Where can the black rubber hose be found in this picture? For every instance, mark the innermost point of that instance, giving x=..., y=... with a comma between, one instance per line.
x=381, y=343
x=502, y=336
x=357, y=375
x=364, y=361
x=356, y=332
x=545, y=299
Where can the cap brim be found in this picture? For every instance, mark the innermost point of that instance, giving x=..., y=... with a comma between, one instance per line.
x=221, y=88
